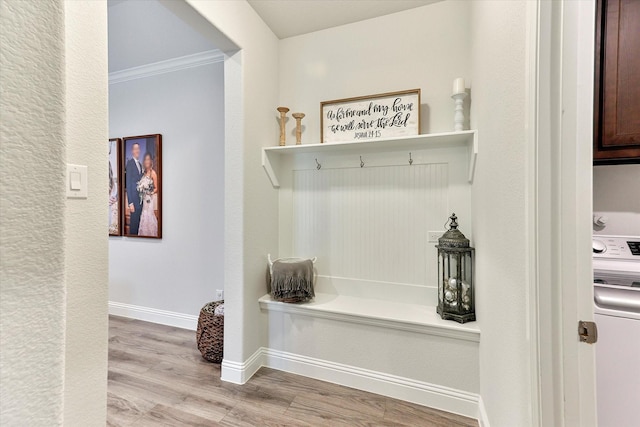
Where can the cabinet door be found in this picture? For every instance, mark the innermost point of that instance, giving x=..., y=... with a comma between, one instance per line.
x=617, y=107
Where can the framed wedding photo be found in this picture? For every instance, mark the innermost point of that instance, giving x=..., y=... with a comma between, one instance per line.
x=115, y=195
x=142, y=190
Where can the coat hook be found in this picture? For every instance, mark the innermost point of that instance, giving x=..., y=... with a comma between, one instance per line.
x=410, y=159
x=318, y=165
x=361, y=162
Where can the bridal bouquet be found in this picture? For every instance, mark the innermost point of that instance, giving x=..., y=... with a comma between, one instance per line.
x=145, y=187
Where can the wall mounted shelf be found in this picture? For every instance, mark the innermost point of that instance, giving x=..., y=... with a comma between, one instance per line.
x=271, y=155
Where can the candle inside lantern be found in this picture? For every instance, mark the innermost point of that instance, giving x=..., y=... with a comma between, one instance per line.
x=458, y=85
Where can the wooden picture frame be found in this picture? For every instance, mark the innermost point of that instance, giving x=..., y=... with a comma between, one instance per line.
x=115, y=187
x=366, y=118
x=142, y=186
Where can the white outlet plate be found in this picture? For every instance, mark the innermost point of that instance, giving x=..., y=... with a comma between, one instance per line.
x=434, y=236
x=219, y=294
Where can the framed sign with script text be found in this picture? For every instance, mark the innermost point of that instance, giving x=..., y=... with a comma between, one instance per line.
x=364, y=118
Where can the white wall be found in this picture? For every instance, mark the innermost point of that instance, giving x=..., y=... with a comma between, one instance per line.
x=86, y=250
x=423, y=358
x=54, y=251
x=32, y=205
x=417, y=48
x=615, y=195
x=180, y=272
x=369, y=227
x=146, y=32
x=499, y=204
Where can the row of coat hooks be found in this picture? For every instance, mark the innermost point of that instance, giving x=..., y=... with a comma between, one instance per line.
x=362, y=164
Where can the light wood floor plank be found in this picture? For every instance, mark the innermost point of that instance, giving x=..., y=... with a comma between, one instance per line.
x=318, y=415
x=157, y=377
x=209, y=407
x=407, y=413
x=345, y=406
x=161, y=415
x=247, y=415
x=125, y=412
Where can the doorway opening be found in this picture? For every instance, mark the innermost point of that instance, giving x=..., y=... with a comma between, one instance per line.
x=166, y=76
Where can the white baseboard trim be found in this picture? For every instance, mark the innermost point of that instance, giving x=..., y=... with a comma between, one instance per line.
x=483, y=420
x=410, y=390
x=154, y=315
x=240, y=373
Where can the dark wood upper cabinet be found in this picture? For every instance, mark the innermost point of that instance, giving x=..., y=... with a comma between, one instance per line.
x=617, y=85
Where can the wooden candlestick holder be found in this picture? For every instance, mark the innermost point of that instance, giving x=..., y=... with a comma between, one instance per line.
x=298, y=117
x=283, y=115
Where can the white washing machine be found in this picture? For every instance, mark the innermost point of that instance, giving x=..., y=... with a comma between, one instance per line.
x=616, y=271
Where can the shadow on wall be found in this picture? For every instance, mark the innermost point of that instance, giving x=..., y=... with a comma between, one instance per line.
x=612, y=203
x=424, y=118
x=425, y=115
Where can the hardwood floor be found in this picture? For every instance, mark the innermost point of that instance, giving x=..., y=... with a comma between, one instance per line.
x=158, y=378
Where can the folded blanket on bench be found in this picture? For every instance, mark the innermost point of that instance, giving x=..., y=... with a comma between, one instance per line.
x=292, y=280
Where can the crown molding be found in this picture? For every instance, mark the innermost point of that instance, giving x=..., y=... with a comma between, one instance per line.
x=112, y=3
x=168, y=66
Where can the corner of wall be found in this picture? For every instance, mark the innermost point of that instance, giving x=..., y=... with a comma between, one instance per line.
x=483, y=418
x=499, y=64
x=85, y=243
x=240, y=373
x=251, y=211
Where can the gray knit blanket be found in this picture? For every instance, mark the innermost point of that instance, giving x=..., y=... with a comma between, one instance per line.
x=292, y=280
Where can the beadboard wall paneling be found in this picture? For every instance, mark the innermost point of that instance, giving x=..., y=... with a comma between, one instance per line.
x=370, y=223
x=369, y=226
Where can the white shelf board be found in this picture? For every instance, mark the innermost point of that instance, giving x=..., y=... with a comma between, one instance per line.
x=392, y=315
x=270, y=155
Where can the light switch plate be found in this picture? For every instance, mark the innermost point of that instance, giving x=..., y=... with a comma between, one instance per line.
x=77, y=185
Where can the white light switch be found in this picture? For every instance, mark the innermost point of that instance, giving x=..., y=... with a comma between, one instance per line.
x=77, y=184
x=75, y=180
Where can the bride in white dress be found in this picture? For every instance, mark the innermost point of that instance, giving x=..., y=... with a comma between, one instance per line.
x=113, y=203
x=148, y=189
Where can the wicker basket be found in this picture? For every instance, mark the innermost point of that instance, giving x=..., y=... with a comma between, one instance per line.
x=210, y=333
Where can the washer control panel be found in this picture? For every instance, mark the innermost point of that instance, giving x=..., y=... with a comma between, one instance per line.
x=616, y=247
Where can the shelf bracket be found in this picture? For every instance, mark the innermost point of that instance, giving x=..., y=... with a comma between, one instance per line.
x=268, y=168
x=473, y=154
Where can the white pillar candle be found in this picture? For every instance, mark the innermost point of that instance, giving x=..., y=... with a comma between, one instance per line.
x=458, y=85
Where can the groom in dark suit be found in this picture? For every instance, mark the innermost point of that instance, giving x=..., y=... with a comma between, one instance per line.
x=134, y=171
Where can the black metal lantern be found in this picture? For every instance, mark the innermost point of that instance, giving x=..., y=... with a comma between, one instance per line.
x=455, y=275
